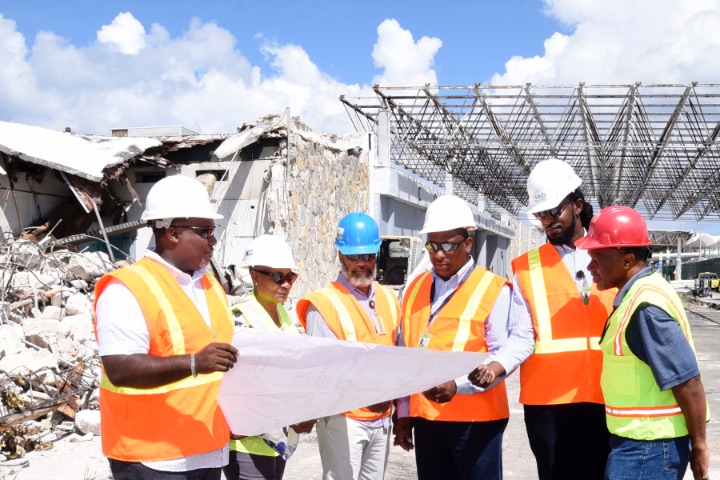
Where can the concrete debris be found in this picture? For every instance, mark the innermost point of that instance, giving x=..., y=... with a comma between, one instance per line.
x=49, y=367
x=88, y=421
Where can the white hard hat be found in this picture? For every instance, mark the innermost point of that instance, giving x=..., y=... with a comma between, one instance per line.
x=549, y=182
x=269, y=251
x=178, y=197
x=448, y=213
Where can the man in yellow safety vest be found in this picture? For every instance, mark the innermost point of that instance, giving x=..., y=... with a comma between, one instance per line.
x=655, y=404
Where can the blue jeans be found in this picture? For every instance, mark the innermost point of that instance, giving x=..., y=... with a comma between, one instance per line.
x=647, y=459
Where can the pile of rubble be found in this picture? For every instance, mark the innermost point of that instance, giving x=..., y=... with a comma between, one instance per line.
x=49, y=367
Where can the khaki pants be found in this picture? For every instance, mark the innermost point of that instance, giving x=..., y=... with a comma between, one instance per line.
x=350, y=450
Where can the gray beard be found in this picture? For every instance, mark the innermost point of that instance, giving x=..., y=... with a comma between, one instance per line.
x=357, y=281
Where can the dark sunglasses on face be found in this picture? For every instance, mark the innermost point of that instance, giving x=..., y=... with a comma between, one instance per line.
x=365, y=256
x=446, y=247
x=203, y=232
x=553, y=212
x=279, y=278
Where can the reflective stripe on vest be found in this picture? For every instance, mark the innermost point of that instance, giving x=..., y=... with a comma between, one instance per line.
x=390, y=299
x=178, y=341
x=349, y=321
x=643, y=412
x=255, y=316
x=463, y=331
x=131, y=417
x=618, y=341
x=457, y=326
x=635, y=406
x=566, y=362
x=544, y=342
x=343, y=315
x=184, y=383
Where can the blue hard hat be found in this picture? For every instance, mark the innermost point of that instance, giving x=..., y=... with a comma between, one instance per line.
x=357, y=233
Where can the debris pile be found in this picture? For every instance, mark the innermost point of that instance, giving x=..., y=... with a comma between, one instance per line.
x=49, y=367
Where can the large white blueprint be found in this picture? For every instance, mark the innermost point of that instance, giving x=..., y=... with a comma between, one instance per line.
x=283, y=379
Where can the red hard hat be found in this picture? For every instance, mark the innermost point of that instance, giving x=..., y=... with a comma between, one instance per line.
x=615, y=226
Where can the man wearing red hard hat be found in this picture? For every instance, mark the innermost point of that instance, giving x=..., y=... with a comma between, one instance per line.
x=655, y=404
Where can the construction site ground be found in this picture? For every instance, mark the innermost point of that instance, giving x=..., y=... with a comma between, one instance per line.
x=82, y=459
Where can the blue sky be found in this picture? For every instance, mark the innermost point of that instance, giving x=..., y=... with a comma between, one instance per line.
x=211, y=66
x=338, y=37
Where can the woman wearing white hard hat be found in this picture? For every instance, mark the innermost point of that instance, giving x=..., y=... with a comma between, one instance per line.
x=273, y=272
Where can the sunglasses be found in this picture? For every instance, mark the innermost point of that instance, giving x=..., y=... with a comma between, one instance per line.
x=278, y=278
x=446, y=247
x=553, y=212
x=203, y=232
x=365, y=256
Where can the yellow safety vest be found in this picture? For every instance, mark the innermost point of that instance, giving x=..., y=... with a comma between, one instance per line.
x=635, y=407
x=254, y=315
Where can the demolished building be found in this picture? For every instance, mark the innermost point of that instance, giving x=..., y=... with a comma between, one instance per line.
x=71, y=207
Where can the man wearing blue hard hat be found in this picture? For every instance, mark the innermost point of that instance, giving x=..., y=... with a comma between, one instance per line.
x=354, y=308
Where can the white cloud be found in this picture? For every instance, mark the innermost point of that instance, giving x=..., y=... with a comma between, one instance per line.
x=126, y=34
x=616, y=41
x=404, y=62
x=133, y=76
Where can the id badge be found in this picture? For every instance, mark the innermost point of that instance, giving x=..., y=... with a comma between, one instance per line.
x=585, y=294
x=379, y=325
x=424, y=340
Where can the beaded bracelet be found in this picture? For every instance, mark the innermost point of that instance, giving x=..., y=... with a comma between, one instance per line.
x=192, y=365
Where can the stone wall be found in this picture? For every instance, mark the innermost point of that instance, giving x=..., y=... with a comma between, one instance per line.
x=306, y=202
x=527, y=237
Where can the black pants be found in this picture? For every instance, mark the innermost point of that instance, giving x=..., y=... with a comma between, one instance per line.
x=137, y=471
x=459, y=450
x=569, y=441
x=244, y=466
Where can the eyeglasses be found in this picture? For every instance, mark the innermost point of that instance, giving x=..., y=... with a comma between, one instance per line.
x=365, y=256
x=446, y=247
x=279, y=278
x=554, y=212
x=203, y=232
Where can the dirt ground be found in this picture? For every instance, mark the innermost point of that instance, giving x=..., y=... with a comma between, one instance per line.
x=84, y=461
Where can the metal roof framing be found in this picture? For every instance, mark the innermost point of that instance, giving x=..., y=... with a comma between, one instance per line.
x=651, y=147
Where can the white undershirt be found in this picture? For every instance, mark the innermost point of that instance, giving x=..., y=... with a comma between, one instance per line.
x=122, y=330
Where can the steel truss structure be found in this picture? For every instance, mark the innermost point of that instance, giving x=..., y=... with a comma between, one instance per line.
x=651, y=147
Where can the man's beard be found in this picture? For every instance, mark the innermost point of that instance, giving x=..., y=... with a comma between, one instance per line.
x=566, y=237
x=357, y=281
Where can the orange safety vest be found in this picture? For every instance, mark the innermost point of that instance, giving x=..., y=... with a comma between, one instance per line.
x=181, y=418
x=566, y=364
x=348, y=321
x=458, y=326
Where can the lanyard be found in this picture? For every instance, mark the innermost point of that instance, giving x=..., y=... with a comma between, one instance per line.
x=434, y=310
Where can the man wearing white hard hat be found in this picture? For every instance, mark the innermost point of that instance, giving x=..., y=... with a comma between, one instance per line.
x=164, y=334
x=560, y=383
x=354, y=445
x=459, y=306
x=273, y=271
